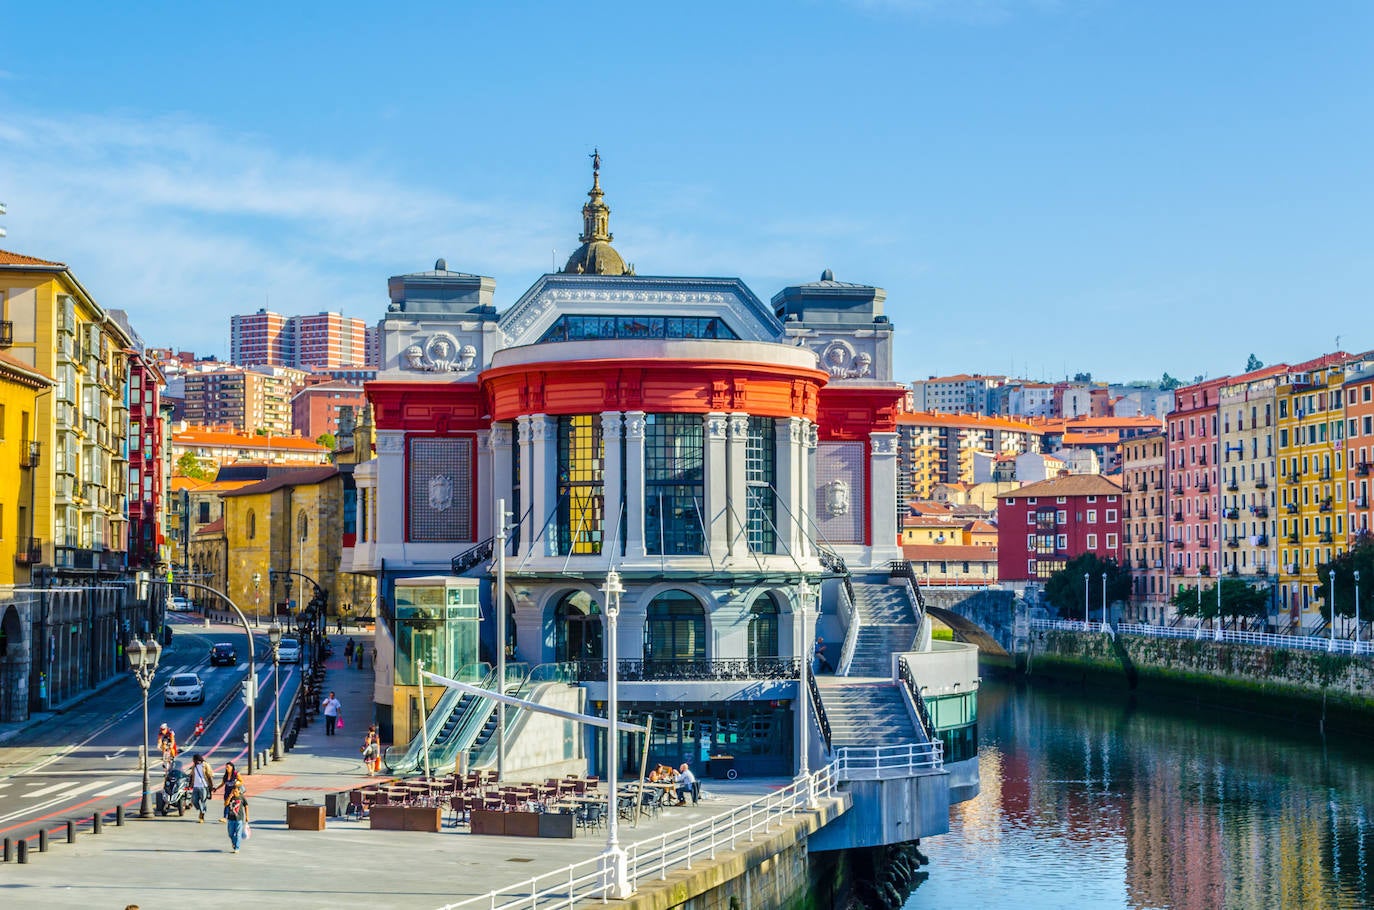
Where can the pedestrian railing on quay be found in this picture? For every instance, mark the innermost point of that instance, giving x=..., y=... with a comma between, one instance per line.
x=889, y=762
x=1201, y=633
x=654, y=857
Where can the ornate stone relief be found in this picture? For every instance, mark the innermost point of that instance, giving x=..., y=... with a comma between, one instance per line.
x=739, y=426
x=440, y=492
x=715, y=426
x=611, y=425
x=634, y=425
x=884, y=443
x=837, y=497
x=841, y=362
x=390, y=444
x=500, y=436
x=439, y=353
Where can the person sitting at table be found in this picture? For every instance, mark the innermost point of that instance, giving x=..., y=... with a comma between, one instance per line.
x=686, y=783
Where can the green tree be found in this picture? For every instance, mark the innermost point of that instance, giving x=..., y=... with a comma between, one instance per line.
x=327, y=440
x=1254, y=363
x=189, y=466
x=1239, y=600
x=1169, y=383
x=1064, y=588
x=1359, y=558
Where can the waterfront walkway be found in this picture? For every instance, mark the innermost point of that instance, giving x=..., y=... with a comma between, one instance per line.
x=166, y=862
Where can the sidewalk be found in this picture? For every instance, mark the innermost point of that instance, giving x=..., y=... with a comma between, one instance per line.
x=174, y=861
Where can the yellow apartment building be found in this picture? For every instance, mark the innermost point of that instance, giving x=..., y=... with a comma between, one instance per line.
x=20, y=386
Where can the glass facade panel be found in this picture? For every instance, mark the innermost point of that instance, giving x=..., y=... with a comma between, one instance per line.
x=437, y=625
x=577, y=628
x=598, y=328
x=757, y=735
x=675, y=629
x=674, y=486
x=761, y=474
x=581, y=493
x=763, y=629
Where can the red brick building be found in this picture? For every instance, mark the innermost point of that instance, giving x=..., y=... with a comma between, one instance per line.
x=1044, y=525
x=1194, y=545
x=315, y=409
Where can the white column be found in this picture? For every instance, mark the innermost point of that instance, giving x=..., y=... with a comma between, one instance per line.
x=484, y=526
x=390, y=526
x=526, y=530
x=634, y=485
x=807, y=469
x=543, y=469
x=612, y=471
x=736, y=515
x=883, y=497
x=716, y=476
x=787, y=456
x=499, y=443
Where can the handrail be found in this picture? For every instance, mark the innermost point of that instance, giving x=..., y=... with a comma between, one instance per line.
x=637, y=670
x=473, y=556
x=908, y=680
x=1258, y=639
x=822, y=720
x=853, y=623
x=835, y=563
x=888, y=762
x=411, y=756
x=654, y=857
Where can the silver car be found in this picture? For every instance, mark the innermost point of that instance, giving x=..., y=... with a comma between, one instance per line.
x=184, y=689
x=289, y=651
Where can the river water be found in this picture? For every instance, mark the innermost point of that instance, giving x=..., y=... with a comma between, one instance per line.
x=1107, y=803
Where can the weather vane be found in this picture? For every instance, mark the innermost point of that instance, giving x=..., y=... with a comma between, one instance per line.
x=596, y=161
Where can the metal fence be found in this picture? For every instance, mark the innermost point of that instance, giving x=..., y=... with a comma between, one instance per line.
x=1200, y=633
x=652, y=858
x=889, y=762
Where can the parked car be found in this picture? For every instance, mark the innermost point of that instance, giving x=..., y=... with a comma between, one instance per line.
x=179, y=604
x=184, y=689
x=289, y=651
x=223, y=653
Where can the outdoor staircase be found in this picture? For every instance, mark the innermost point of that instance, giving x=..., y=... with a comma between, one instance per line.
x=887, y=624
x=866, y=714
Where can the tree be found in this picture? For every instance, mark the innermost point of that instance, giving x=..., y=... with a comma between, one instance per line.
x=1169, y=383
x=327, y=440
x=1239, y=600
x=1360, y=557
x=188, y=465
x=1254, y=363
x=1064, y=588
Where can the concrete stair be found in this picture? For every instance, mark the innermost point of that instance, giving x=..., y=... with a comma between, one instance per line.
x=866, y=714
x=887, y=624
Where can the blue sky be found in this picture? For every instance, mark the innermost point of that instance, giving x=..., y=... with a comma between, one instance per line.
x=1041, y=186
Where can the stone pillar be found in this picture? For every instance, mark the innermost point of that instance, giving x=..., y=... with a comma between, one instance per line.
x=543, y=468
x=499, y=442
x=391, y=487
x=788, y=455
x=529, y=525
x=882, y=494
x=612, y=474
x=716, y=477
x=634, y=484
x=484, y=522
x=807, y=504
x=737, y=514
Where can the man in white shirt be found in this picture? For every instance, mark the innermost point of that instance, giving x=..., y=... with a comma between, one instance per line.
x=202, y=782
x=686, y=784
x=330, y=709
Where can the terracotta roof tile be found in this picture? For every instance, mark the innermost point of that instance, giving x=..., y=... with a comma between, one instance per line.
x=214, y=527
x=1068, y=485
x=198, y=436
x=8, y=258
x=16, y=365
x=298, y=478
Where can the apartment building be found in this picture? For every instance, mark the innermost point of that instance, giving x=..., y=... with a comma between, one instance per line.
x=1249, y=469
x=320, y=341
x=247, y=400
x=261, y=339
x=1144, y=471
x=217, y=446
x=959, y=394
x=935, y=448
x=20, y=545
x=1359, y=453
x=315, y=409
x=1044, y=525
x=1191, y=504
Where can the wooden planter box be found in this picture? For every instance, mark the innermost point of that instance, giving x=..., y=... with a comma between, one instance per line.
x=304, y=817
x=522, y=824
x=485, y=821
x=416, y=818
x=556, y=824
x=387, y=818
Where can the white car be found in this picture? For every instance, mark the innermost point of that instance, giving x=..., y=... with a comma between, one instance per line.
x=184, y=689
x=179, y=604
x=289, y=651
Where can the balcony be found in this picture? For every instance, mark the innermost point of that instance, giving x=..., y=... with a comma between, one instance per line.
x=1260, y=511
x=1362, y=469
x=1176, y=544
x=1360, y=502
x=29, y=552
x=1295, y=477
x=1262, y=571
x=1204, y=485
x=30, y=455
x=1178, y=517
x=1204, y=542
x=1233, y=541
x=1262, y=484
x=1325, y=505
x=1326, y=474
x=1292, y=508
x=1204, y=514
x=1157, y=511
x=1202, y=457
x=1294, y=538
x=1324, y=537
x=1262, y=540
x=1232, y=486
x=1125, y=538
x=1178, y=489
x=1126, y=512
x=6, y=334
x=1204, y=569
x=1232, y=514
x=1158, y=484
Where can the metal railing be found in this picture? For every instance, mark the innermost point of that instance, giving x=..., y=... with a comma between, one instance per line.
x=654, y=857
x=852, y=624
x=1259, y=639
x=822, y=719
x=888, y=762
x=637, y=670
x=473, y=556
x=908, y=680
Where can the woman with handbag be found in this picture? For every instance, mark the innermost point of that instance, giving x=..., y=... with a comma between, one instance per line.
x=372, y=750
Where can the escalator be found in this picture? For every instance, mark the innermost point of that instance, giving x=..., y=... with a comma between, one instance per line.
x=443, y=724
x=482, y=752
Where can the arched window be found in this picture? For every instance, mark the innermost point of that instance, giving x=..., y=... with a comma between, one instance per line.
x=675, y=629
x=763, y=629
x=577, y=628
x=252, y=524
x=302, y=525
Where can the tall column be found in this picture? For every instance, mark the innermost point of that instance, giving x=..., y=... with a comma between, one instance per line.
x=716, y=477
x=612, y=474
x=528, y=526
x=806, y=505
x=484, y=524
x=634, y=485
x=737, y=514
x=883, y=498
x=499, y=443
x=787, y=455
x=543, y=464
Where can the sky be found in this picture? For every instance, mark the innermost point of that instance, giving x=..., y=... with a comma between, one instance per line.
x=1043, y=187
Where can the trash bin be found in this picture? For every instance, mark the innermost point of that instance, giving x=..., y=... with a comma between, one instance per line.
x=723, y=767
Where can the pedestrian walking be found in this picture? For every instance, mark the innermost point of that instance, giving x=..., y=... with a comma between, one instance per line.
x=202, y=784
x=236, y=814
x=330, y=708
x=372, y=750
x=822, y=664
x=229, y=782
x=348, y=653
x=338, y=626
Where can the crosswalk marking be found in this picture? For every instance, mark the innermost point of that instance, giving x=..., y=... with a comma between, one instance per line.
x=66, y=786
x=131, y=785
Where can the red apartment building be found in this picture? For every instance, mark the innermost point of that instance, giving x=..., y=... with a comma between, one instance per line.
x=1043, y=525
x=1194, y=545
x=261, y=339
x=1359, y=462
x=146, y=468
x=315, y=408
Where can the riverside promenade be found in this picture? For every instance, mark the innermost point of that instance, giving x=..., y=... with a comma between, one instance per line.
x=177, y=862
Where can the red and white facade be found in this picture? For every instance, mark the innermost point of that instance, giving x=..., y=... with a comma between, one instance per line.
x=1193, y=496
x=1043, y=525
x=147, y=463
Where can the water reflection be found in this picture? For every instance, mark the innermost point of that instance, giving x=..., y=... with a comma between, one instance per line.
x=1105, y=804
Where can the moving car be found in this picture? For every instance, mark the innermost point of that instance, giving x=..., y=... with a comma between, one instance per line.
x=179, y=604
x=289, y=651
x=184, y=689
x=223, y=653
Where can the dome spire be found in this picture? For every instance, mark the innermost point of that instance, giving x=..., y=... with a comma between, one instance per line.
x=596, y=256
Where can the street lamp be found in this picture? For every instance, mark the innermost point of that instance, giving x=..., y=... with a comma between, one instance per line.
x=1357, y=611
x=1087, y=617
x=1331, y=604
x=805, y=598
x=143, y=657
x=614, y=863
x=1104, y=601
x=274, y=639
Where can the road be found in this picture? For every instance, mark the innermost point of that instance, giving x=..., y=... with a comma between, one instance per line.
x=88, y=758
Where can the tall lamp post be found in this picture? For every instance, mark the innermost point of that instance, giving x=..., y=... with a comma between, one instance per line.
x=1104, y=601
x=1087, y=615
x=274, y=639
x=614, y=862
x=805, y=598
x=143, y=657
x=1331, y=604
x=1357, y=611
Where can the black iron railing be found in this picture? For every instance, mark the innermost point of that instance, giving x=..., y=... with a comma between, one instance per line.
x=636, y=670
x=908, y=680
x=821, y=717
x=901, y=568
x=834, y=563
x=473, y=556
x=29, y=552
